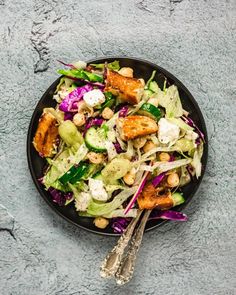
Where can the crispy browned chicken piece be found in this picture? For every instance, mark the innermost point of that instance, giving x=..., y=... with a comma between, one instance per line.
x=151, y=198
x=127, y=89
x=46, y=135
x=136, y=126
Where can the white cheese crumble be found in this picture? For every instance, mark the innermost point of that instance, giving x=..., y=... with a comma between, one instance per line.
x=94, y=97
x=167, y=132
x=97, y=189
x=82, y=201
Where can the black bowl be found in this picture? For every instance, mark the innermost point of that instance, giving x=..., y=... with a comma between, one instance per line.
x=142, y=69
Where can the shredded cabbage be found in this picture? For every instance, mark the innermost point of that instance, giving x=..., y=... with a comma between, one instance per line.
x=79, y=155
x=150, y=79
x=170, y=100
x=165, y=166
x=130, y=152
x=181, y=124
x=196, y=162
x=111, y=150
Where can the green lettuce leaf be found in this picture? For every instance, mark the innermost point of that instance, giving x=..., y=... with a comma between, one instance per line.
x=95, y=208
x=115, y=65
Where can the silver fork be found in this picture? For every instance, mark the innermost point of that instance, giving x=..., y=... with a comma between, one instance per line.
x=126, y=266
x=112, y=261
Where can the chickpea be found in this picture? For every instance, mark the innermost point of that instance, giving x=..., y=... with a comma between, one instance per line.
x=149, y=145
x=153, y=101
x=164, y=157
x=129, y=178
x=173, y=179
x=101, y=222
x=139, y=142
x=107, y=113
x=127, y=72
x=95, y=158
x=79, y=119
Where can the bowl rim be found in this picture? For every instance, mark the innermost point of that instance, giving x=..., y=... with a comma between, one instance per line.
x=98, y=59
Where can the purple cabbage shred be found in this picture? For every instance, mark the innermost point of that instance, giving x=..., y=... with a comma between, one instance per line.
x=168, y=215
x=69, y=103
x=67, y=65
x=119, y=224
x=68, y=116
x=118, y=147
x=59, y=197
x=123, y=112
x=156, y=180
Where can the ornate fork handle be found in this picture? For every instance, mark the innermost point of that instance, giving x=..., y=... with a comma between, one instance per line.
x=112, y=261
x=126, y=268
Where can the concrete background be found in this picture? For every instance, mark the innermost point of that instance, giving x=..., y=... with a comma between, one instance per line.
x=42, y=254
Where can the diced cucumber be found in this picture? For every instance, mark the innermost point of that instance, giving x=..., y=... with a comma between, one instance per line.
x=178, y=199
x=82, y=170
x=153, y=86
x=74, y=174
x=149, y=110
x=95, y=140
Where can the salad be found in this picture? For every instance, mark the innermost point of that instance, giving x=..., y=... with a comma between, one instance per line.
x=115, y=144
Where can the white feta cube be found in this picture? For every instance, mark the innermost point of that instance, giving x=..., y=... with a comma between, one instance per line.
x=94, y=97
x=97, y=189
x=82, y=201
x=167, y=132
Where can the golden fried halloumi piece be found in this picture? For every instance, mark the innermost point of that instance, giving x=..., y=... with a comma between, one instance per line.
x=150, y=199
x=136, y=126
x=46, y=135
x=128, y=89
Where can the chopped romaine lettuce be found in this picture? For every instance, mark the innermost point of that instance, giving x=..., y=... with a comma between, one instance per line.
x=170, y=100
x=115, y=65
x=81, y=74
x=99, y=209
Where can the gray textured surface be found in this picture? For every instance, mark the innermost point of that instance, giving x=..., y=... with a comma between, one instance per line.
x=196, y=40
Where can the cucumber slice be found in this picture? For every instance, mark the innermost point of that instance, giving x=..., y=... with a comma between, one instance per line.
x=149, y=110
x=153, y=86
x=82, y=170
x=178, y=199
x=95, y=140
